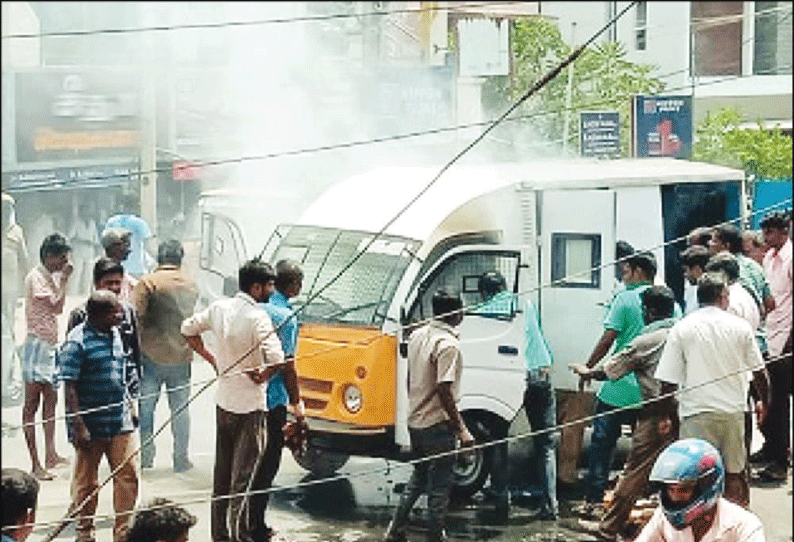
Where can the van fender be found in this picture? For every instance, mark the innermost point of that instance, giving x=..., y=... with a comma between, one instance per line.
x=488, y=403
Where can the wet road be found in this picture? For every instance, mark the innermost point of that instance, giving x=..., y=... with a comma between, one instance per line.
x=354, y=508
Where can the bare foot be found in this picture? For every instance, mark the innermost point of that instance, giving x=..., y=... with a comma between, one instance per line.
x=56, y=461
x=42, y=474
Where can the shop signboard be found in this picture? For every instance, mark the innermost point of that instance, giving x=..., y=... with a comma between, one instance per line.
x=663, y=126
x=77, y=114
x=59, y=178
x=599, y=134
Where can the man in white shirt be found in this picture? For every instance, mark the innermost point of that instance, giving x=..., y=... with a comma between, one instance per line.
x=709, y=354
x=248, y=353
x=740, y=302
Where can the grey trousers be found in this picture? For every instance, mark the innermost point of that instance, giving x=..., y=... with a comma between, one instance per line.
x=433, y=476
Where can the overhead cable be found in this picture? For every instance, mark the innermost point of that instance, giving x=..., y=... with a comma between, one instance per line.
x=537, y=86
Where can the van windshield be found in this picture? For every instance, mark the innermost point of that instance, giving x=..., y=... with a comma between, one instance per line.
x=363, y=293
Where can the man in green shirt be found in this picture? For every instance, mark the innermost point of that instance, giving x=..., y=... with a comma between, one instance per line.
x=623, y=322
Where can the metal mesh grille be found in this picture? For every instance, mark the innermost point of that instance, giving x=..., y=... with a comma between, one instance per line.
x=361, y=295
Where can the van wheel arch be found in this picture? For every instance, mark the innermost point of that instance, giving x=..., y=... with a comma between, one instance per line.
x=469, y=477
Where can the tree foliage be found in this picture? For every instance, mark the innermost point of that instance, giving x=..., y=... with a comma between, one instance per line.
x=763, y=152
x=603, y=80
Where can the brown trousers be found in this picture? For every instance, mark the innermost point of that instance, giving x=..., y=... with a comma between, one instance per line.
x=238, y=443
x=646, y=445
x=571, y=406
x=125, y=483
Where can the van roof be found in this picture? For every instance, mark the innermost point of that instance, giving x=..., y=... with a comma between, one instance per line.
x=367, y=201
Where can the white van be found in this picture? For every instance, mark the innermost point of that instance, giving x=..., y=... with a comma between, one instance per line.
x=230, y=220
x=535, y=222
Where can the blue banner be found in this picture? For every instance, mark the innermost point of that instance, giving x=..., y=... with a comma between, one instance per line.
x=663, y=126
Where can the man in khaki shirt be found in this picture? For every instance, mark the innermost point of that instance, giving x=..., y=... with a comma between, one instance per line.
x=434, y=368
x=163, y=299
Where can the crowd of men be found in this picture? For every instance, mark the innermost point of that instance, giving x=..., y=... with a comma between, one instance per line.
x=671, y=373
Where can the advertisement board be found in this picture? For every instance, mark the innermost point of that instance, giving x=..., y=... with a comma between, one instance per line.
x=77, y=113
x=405, y=98
x=663, y=126
x=599, y=134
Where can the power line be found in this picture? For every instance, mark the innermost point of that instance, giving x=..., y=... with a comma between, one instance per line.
x=385, y=139
x=259, y=22
x=73, y=512
x=707, y=22
x=411, y=462
x=584, y=273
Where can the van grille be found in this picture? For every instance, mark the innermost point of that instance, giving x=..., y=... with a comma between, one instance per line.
x=312, y=384
x=314, y=404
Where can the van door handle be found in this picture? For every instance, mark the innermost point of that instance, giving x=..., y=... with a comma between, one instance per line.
x=507, y=349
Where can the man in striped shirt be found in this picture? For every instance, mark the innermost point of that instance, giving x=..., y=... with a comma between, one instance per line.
x=96, y=376
x=45, y=293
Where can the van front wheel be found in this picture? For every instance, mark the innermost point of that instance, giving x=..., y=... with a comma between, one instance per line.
x=321, y=463
x=469, y=474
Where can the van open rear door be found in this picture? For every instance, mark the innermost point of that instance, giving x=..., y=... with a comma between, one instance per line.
x=577, y=241
x=222, y=254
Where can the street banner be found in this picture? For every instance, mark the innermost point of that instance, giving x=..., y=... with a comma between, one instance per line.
x=77, y=113
x=663, y=126
x=599, y=134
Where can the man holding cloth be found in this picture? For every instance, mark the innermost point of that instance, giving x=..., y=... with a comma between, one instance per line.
x=248, y=352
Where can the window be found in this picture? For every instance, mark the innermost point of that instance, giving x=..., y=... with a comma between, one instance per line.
x=575, y=260
x=772, y=38
x=362, y=290
x=717, y=38
x=461, y=273
x=220, y=242
x=640, y=33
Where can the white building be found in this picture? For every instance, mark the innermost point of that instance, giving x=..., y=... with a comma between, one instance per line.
x=726, y=54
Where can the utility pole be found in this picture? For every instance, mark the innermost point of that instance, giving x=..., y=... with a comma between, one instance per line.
x=568, y=95
x=148, y=157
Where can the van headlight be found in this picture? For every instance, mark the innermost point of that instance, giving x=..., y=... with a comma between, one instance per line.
x=352, y=397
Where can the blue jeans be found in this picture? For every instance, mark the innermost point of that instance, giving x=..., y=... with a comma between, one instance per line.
x=177, y=384
x=541, y=408
x=433, y=476
x=606, y=431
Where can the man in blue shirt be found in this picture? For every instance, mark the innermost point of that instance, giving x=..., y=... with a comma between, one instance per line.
x=96, y=376
x=539, y=400
x=127, y=219
x=282, y=390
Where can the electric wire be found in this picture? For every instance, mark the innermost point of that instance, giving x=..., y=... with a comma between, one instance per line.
x=384, y=139
x=258, y=22
x=75, y=510
x=490, y=442
x=364, y=342
x=412, y=462
x=703, y=22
